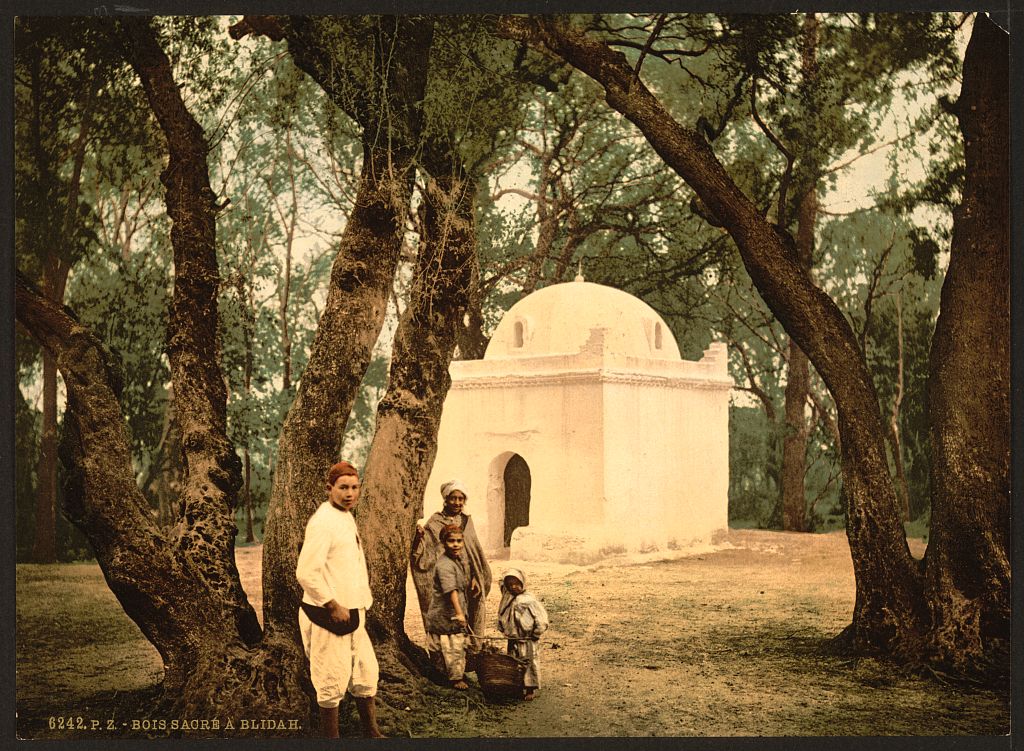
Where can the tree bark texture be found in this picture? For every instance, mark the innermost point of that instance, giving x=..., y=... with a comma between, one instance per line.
x=409, y=414
x=889, y=613
x=798, y=379
x=361, y=276
x=968, y=558
x=169, y=475
x=205, y=534
x=798, y=386
x=160, y=587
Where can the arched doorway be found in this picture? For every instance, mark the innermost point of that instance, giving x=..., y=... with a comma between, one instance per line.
x=517, y=496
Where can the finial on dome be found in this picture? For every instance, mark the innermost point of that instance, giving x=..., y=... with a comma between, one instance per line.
x=579, y=273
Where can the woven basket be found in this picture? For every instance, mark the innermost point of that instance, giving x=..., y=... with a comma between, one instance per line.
x=500, y=675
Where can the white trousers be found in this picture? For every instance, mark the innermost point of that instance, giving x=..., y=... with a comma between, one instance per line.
x=339, y=663
x=453, y=648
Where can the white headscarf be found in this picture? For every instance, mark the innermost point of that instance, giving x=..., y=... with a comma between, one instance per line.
x=512, y=572
x=520, y=616
x=452, y=485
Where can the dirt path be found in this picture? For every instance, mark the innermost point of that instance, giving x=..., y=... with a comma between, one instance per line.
x=728, y=642
x=725, y=643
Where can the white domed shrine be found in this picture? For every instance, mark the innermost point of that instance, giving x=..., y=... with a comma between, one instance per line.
x=558, y=320
x=582, y=433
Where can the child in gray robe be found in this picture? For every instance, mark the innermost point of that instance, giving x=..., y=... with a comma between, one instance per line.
x=446, y=617
x=522, y=619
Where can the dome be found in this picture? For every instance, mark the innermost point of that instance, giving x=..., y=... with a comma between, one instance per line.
x=558, y=320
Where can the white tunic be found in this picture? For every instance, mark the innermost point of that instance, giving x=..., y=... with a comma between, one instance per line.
x=332, y=567
x=331, y=563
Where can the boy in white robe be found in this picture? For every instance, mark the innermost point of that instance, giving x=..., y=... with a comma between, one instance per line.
x=336, y=592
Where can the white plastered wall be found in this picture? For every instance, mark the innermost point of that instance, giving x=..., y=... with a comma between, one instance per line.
x=666, y=452
x=555, y=425
x=626, y=444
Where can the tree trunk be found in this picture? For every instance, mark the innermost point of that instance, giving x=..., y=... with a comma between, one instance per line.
x=889, y=613
x=361, y=276
x=968, y=558
x=250, y=535
x=56, y=270
x=181, y=586
x=361, y=279
x=212, y=469
x=44, y=545
x=249, y=315
x=893, y=437
x=472, y=340
x=169, y=472
x=547, y=226
x=408, y=416
x=794, y=442
x=170, y=592
x=798, y=379
x=44, y=548
x=798, y=386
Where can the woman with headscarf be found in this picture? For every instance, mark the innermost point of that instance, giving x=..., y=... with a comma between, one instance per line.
x=427, y=547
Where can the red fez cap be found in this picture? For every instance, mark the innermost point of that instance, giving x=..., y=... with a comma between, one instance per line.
x=448, y=530
x=339, y=469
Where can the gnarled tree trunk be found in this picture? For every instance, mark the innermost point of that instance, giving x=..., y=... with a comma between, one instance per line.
x=968, y=558
x=179, y=585
x=408, y=416
x=361, y=276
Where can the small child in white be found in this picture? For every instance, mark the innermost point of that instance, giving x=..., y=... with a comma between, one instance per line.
x=521, y=616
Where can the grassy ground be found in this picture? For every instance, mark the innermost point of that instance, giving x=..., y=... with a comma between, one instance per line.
x=732, y=642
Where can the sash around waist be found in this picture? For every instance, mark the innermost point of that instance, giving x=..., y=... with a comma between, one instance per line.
x=322, y=618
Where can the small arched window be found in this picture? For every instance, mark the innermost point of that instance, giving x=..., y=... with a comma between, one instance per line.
x=657, y=336
x=519, y=334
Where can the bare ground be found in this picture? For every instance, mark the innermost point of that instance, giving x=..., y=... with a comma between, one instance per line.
x=730, y=642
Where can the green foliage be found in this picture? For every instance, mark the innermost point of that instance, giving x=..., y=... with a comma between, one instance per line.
x=287, y=161
x=71, y=544
x=77, y=125
x=124, y=302
x=918, y=322
x=60, y=71
x=822, y=484
x=919, y=527
x=198, y=49
x=872, y=268
x=600, y=197
x=363, y=419
x=783, y=99
x=755, y=461
x=477, y=86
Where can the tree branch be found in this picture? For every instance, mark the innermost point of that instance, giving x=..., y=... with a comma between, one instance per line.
x=649, y=44
x=780, y=218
